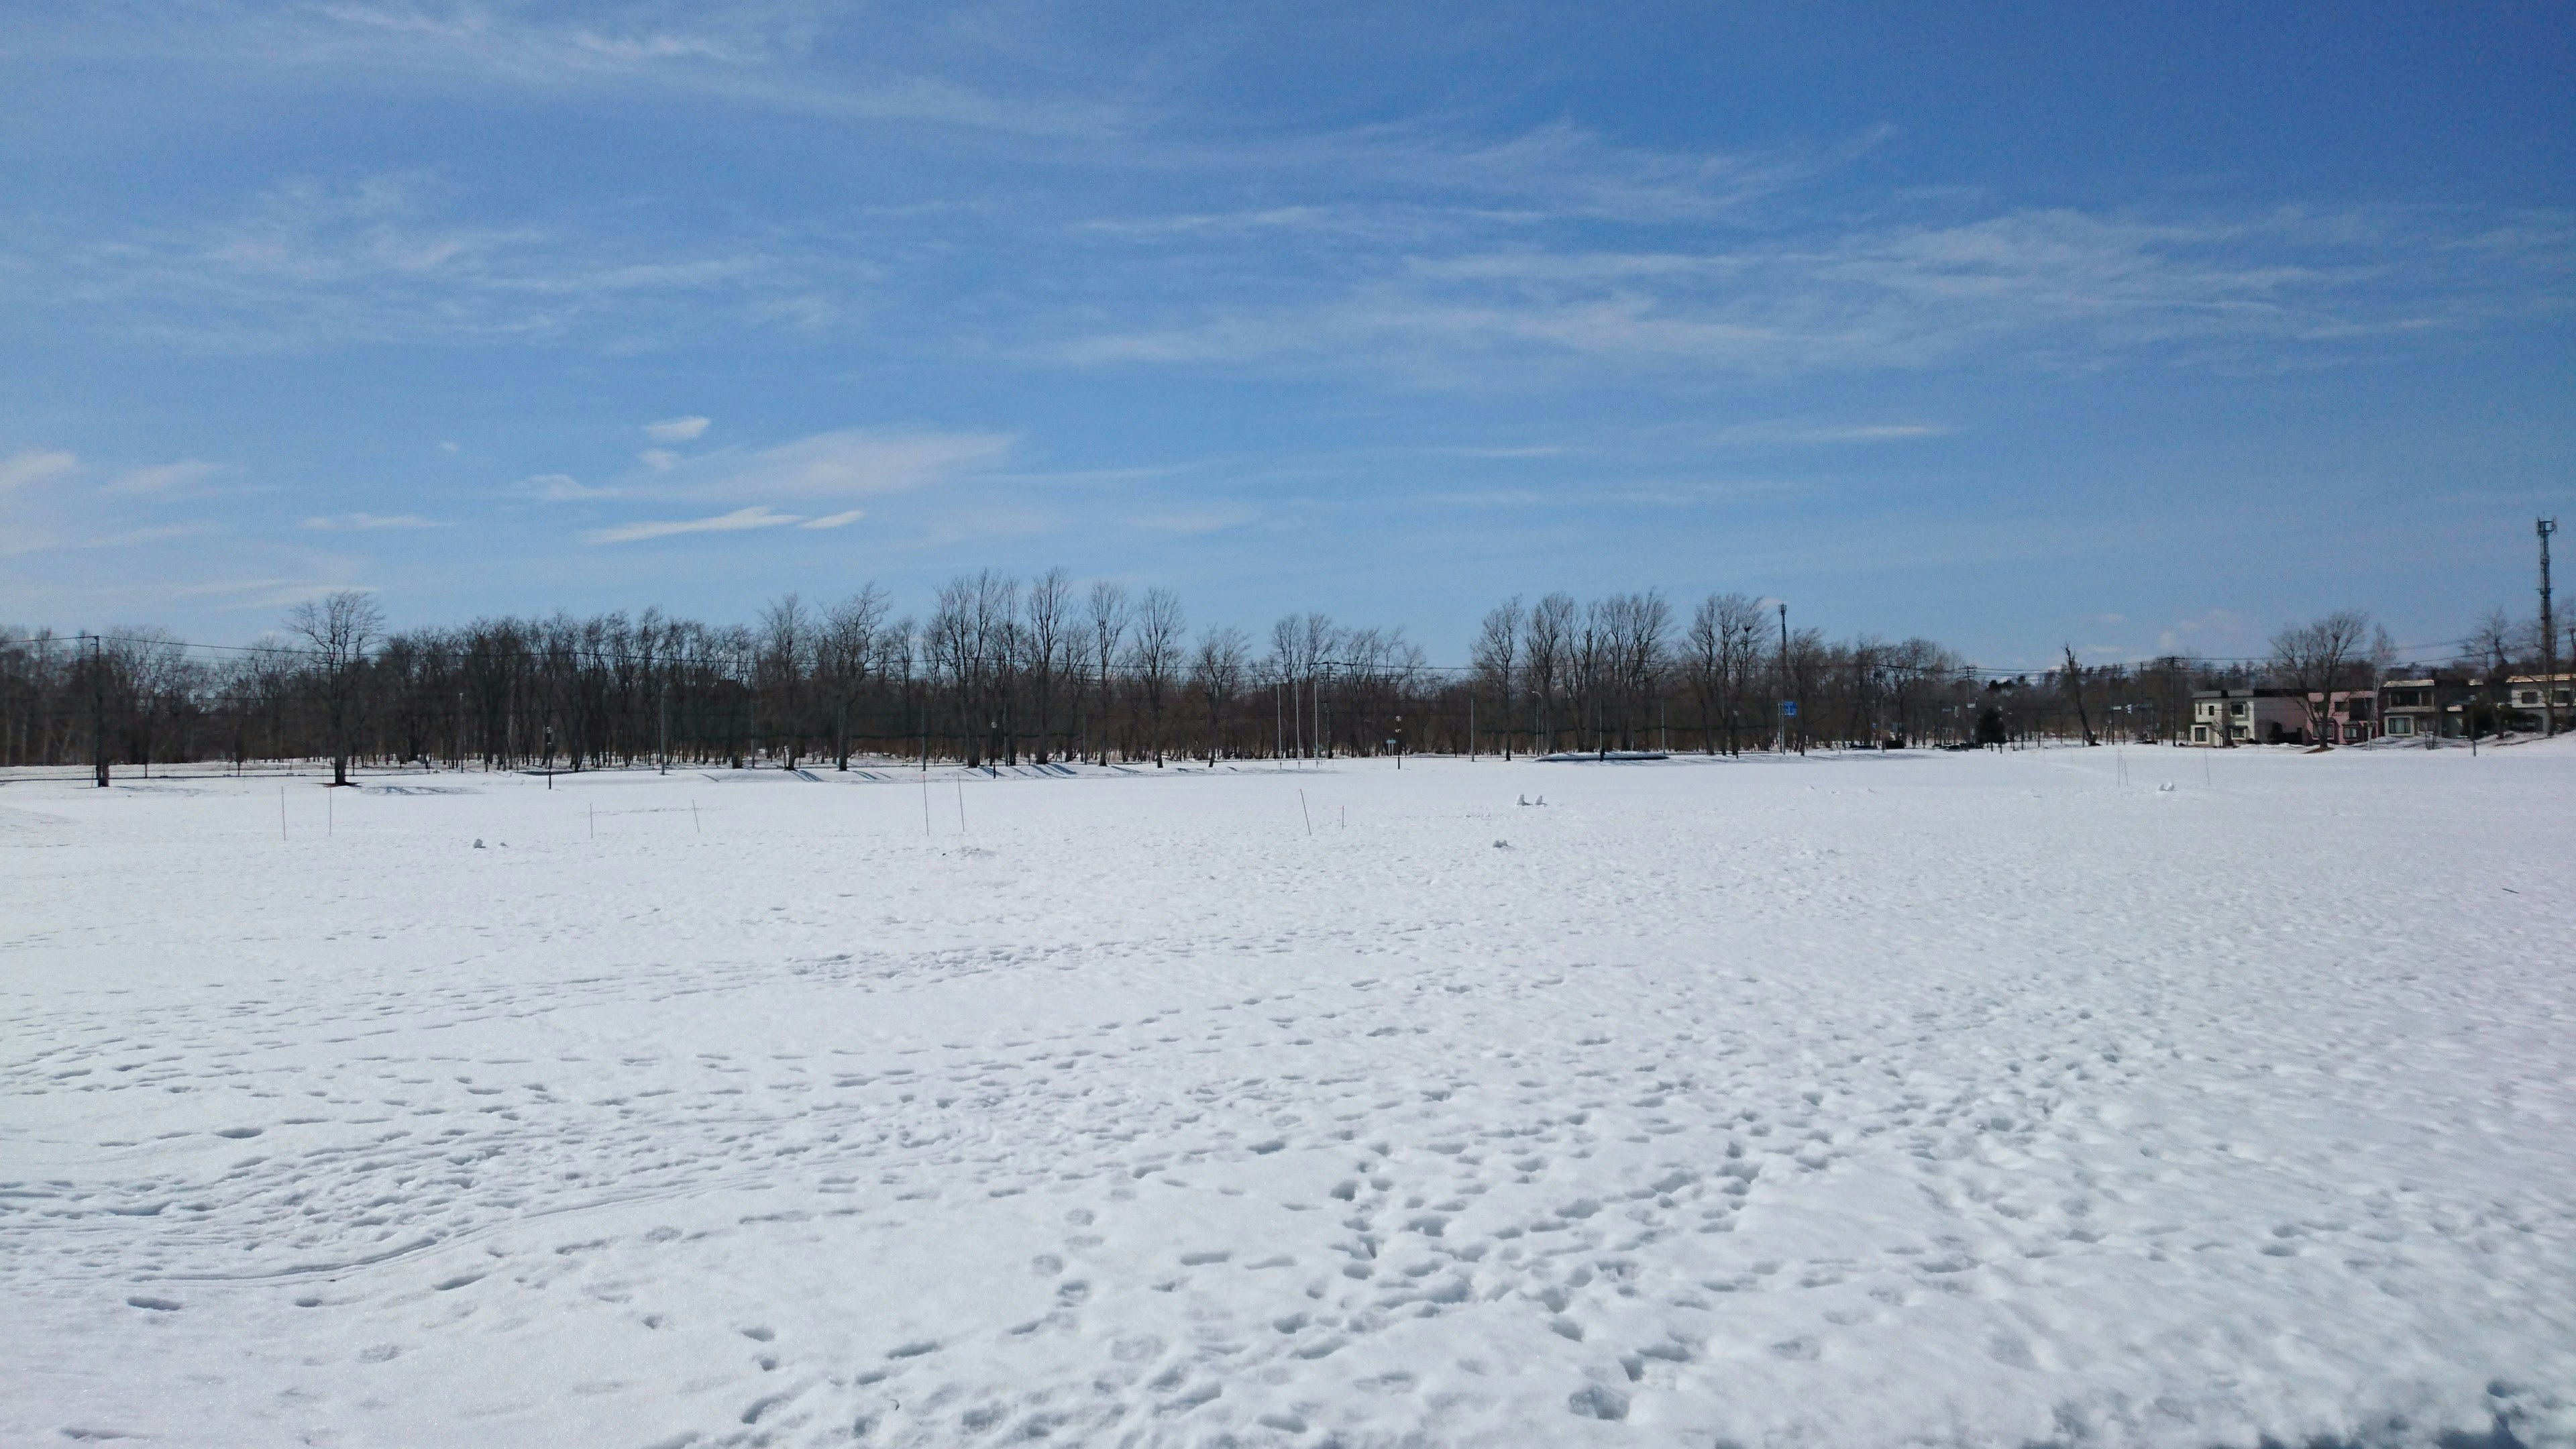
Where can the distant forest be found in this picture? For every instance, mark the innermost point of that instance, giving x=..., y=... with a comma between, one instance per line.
x=1006, y=671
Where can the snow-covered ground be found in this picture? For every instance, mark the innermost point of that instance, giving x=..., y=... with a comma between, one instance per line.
x=1980, y=1099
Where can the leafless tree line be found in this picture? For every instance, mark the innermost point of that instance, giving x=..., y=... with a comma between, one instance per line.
x=1006, y=671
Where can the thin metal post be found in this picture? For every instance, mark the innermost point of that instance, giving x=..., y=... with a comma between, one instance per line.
x=1782, y=744
x=2548, y=638
x=98, y=706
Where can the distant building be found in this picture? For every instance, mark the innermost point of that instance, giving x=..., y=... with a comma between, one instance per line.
x=2431, y=706
x=2248, y=717
x=2525, y=707
x=2352, y=715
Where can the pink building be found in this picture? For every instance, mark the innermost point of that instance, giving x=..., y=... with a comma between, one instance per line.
x=2352, y=715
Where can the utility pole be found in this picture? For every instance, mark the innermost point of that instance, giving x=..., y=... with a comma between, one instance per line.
x=2548, y=637
x=1782, y=744
x=98, y=706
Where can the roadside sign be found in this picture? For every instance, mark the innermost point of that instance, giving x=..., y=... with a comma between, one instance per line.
x=1789, y=707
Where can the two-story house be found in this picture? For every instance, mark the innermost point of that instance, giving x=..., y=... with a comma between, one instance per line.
x=2247, y=717
x=2430, y=706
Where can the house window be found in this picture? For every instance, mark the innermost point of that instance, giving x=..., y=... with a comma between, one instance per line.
x=2526, y=696
x=2200, y=734
x=2401, y=724
x=2245, y=732
x=2237, y=709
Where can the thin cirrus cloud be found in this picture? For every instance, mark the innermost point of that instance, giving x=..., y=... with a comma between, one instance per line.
x=843, y=464
x=166, y=478
x=833, y=467
x=676, y=430
x=34, y=466
x=758, y=56
x=2058, y=287
x=370, y=522
x=738, y=521
x=306, y=265
x=564, y=488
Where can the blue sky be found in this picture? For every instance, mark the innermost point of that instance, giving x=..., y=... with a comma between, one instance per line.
x=2040, y=325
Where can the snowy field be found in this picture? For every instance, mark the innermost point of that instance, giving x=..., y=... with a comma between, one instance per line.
x=1984, y=1099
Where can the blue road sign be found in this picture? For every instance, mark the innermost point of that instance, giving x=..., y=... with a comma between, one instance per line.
x=1789, y=706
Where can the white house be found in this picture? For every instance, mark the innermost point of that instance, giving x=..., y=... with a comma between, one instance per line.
x=2247, y=717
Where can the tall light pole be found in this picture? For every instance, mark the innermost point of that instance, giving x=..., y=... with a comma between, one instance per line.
x=2548, y=637
x=1782, y=744
x=98, y=707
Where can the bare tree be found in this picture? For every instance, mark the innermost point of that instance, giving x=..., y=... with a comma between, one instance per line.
x=1590, y=657
x=1549, y=641
x=844, y=653
x=1108, y=618
x=2317, y=659
x=1216, y=674
x=1046, y=639
x=783, y=666
x=338, y=629
x=1640, y=649
x=1497, y=659
x=2074, y=682
x=1915, y=668
x=2489, y=652
x=1722, y=659
x=1156, y=658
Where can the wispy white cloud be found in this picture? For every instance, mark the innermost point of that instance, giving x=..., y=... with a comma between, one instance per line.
x=564, y=488
x=844, y=464
x=268, y=593
x=761, y=56
x=157, y=533
x=737, y=521
x=34, y=466
x=835, y=520
x=402, y=257
x=1194, y=521
x=1789, y=433
x=2055, y=287
x=676, y=430
x=749, y=55
x=369, y=522
x=166, y=478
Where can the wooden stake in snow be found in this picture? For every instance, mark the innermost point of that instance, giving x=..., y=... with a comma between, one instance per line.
x=961, y=807
x=281, y=812
x=1309, y=814
x=694, y=820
